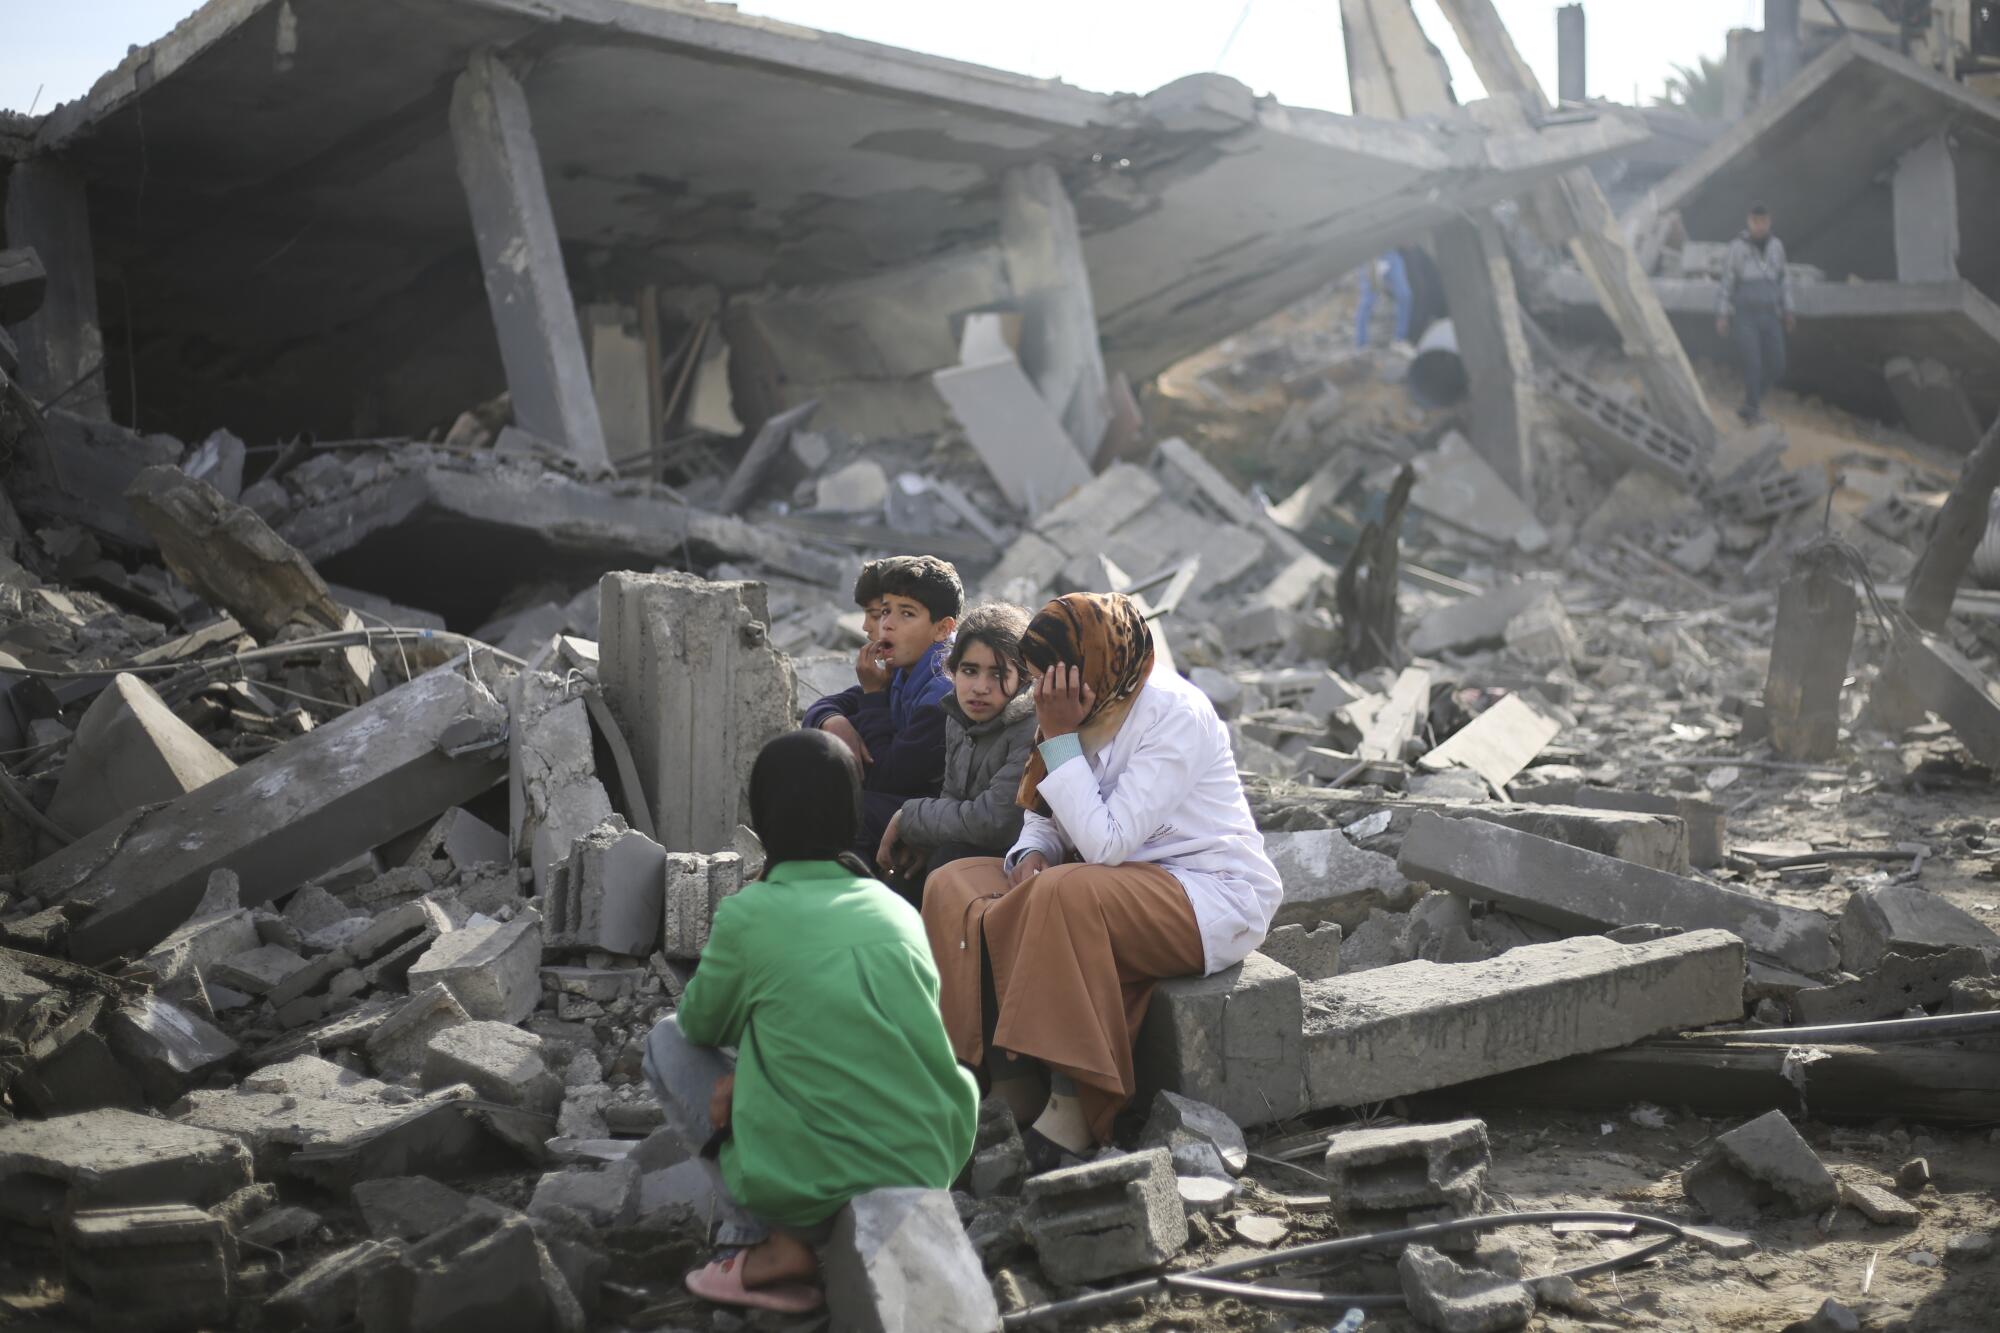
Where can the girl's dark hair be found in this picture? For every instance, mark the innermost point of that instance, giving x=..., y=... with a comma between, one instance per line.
x=998, y=625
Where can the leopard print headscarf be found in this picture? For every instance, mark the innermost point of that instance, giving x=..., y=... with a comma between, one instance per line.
x=1105, y=634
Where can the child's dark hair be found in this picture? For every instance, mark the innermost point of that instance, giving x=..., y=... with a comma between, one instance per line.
x=998, y=625
x=868, y=588
x=924, y=579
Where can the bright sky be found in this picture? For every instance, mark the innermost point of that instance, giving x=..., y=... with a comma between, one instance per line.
x=1288, y=47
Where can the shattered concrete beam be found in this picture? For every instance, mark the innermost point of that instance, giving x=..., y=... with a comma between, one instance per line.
x=1412, y=1027
x=1571, y=889
x=332, y=794
x=62, y=343
x=1059, y=348
x=1927, y=674
x=1575, y=206
x=534, y=315
x=1960, y=526
x=1393, y=70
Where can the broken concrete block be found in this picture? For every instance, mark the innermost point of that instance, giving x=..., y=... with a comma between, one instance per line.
x=1424, y=1025
x=406, y=1207
x=1313, y=954
x=1328, y=878
x=323, y=1297
x=1497, y=744
x=606, y=1197
x=1472, y=622
x=1015, y=432
x=129, y=750
x=459, y=841
x=165, y=1046
x=1080, y=521
x=1927, y=674
x=259, y=970
x=696, y=687
x=1542, y=634
x=1407, y=1175
x=607, y=893
x=112, y=1159
x=230, y=557
x=313, y=909
x=1105, y=1218
x=1177, y=1121
x=554, y=795
x=1758, y=1165
x=149, y=1268
x=1571, y=889
x=1906, y=919
x=501, y=1062
x=494, y=971
x=1444, y=1296
x=1898, y=983
x=282, y=1226
x=1707, y=826
x=1879, y=1205
x=695, y=886
x=401, y=1044
x=201, y=943
x=1231, y=1040
x=302, y=809
x=1655, y=840
x=900, y=1262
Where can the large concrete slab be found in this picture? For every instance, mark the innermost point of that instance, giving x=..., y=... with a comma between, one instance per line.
x=301, y=226
x=1571, y=889
x=376, y=771
x=1417, y=1026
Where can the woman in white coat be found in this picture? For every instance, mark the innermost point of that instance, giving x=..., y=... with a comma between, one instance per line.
x=1138, y=861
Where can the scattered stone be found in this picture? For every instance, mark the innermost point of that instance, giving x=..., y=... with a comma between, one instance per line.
x=259, y=970
x=999, y=1158
x=1758, y=1165
x=1177, y=1121
x=1207, y=1195
x=1265, y=1231
x=129, y=750
x=501, y=1062
x=401, y=1044
x=1314, y=954
x=606, y=1197
x=1905, y=919
x=1106, y=1218
x=1967, y=1249
x=900, y=1262
x=407, y=1207
x=1328, y=878
x=1452, y=1299
x=1914, y=1175
x=1831, y=1317
x=112, y=1159
x=1878, y=1205
x=287, y=1224
x=493, y=970
x=1407, y=1175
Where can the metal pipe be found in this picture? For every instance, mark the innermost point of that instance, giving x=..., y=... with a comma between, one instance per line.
x=1941, y=1027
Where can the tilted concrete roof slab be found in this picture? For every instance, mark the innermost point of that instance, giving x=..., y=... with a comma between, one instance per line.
x=1820, y=156
x=275, y=201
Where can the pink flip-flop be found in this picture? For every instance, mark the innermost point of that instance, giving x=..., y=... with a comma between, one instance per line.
x=722, y=1283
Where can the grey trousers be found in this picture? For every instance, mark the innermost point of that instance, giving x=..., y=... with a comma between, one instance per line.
x=1760, y=352
x=683, y=1076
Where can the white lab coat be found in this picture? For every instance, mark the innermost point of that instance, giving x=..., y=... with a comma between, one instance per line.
x=1165, y=790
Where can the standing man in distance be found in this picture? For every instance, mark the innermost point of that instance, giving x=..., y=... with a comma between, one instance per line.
x=1756, y=303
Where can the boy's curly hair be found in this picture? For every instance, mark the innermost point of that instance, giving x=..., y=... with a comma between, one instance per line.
x=998, y=625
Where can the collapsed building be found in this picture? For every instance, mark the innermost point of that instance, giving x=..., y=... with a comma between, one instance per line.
x=439, y=441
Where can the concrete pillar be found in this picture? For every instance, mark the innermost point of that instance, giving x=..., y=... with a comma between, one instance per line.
x=62, y=342
x=1479, y=287
x=1817, y=606
x=1570, y=68
x=1043, y=252
x=533, y=314
x=1393, y=70
x=1925, y=189
x=697, y=689
x=1781, y=45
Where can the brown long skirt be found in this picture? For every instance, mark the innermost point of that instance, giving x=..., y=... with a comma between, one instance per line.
x=1075, y=951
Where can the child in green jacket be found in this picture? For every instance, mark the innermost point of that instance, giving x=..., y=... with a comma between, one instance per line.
x=844, y=1081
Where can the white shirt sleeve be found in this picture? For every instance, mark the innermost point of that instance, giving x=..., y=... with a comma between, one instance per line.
x=1038, y=834
x=1109, y=830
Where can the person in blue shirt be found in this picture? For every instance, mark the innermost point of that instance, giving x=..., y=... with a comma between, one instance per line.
x=1387, y=272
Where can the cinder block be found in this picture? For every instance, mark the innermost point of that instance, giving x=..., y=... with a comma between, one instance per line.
x=1909, y=920
x=503, y=1063
x=1452, y=1299
x=1897, y=982
x=607, y=894
x=1571, y=889
x=1423, y=1025
x=1105, y=1218
x=695, y=886
x=1231, y=1040
x=109, y=1159
x=1408, y=1175
x=148, y=1269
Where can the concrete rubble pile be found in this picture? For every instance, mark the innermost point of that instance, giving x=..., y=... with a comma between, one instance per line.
x=367, y=795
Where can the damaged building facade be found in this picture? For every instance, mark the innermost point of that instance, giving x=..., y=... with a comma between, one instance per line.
x=439, y=440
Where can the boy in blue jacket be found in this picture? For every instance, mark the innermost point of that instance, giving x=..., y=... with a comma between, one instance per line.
x=896, y=726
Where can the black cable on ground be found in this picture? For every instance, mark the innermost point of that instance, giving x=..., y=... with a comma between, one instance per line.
x=1212, y=1278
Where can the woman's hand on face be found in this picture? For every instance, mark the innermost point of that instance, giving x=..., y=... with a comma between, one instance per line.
x=1025, y=869
x=1062, y=700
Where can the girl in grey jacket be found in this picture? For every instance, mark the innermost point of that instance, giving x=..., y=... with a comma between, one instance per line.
x=989, y=731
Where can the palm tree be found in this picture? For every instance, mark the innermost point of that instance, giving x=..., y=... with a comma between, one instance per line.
x=1696, y=89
